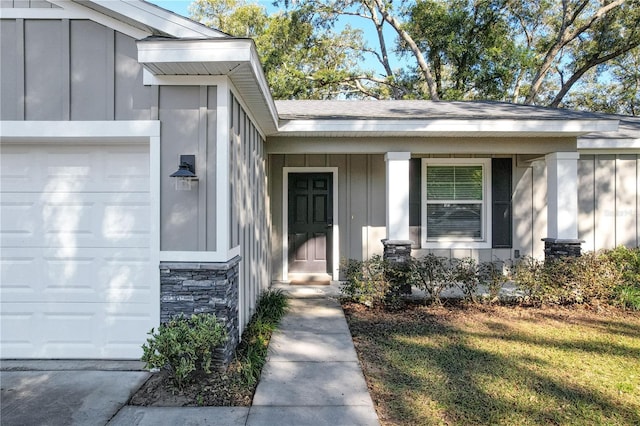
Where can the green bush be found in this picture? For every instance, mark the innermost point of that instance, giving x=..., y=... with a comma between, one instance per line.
x=592, y=276
x=628, y=297
x=252, y=352
x=432, y=274
x=492, y=275
x=628, y=262
x=466, y=276
x=366, y=281
x=184, y=345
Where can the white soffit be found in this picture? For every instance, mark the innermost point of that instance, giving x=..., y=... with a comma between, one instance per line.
x=444, y=127
x=232, y=57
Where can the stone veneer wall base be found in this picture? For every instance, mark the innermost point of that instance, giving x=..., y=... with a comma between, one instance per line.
x=555, y=248
x=192, y=288
x=398, y=253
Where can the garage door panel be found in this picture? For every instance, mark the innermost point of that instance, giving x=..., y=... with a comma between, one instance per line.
x=47, y=334
x=120, y=276
x=76, y=278
x=73, y=168
x=75, y=220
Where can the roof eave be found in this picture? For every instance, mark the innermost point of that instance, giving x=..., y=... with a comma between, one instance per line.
x=232, y=57
x=445, y=127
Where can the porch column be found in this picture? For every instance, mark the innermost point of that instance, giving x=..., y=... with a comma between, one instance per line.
x=397, y=195
x=562, y=205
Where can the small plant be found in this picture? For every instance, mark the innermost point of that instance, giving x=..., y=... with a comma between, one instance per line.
x=628, y=262
x=252, y=352
x=465, y=274
x=528, y=274
x=628, y=297
x=366, y=281
x=492, y=275
x=432, y=274
x=184, y=345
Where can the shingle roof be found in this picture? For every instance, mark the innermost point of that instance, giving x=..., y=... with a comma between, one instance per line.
x=353, y=110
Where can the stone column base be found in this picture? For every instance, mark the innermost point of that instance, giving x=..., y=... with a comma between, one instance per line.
x=192, y=288
x=398, y=253
x=556, y=248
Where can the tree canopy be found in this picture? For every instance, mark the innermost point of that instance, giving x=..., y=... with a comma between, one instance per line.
x=582, y=54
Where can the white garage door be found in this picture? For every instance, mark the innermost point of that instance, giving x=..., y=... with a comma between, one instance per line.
x=76, y=279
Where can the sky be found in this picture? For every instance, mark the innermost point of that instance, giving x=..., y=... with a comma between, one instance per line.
x=181, y=7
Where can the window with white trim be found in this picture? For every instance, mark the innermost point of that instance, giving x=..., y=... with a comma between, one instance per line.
x=455, y=202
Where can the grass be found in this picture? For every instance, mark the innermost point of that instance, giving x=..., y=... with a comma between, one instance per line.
x=500, y=366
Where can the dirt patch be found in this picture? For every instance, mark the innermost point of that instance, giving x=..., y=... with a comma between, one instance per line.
x=220, y=389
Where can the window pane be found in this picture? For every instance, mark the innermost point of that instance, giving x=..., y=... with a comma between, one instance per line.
x=468, y=183
x=454, y=220
x=440, y=183
x=454, y=182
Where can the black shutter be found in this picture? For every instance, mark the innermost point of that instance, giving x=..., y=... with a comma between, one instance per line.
x=501, y=217
x=415, y=195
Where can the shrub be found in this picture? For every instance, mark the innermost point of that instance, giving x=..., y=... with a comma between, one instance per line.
x=466, y=276
x=628, y=297
x=583, y=279
x=433, y=275
x=366, y=281
x=627, y=260
x=184, y=345
x=252, y=352
x=492, y=275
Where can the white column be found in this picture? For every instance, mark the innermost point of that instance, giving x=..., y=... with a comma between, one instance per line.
x=562, y=195
x=397, y=195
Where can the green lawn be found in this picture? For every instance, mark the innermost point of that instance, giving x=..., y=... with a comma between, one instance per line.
x=500, y=366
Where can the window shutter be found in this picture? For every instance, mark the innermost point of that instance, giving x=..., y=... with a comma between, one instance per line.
x=501, y=176
x=415, y=176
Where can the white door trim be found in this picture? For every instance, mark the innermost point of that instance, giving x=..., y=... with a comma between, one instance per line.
x=285, y=217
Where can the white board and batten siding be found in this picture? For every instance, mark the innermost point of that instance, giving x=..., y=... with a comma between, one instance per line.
x=75, y=241
x=609, y=206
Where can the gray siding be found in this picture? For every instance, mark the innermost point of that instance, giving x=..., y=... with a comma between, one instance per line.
x=249, y=221
x=188, y=117
x=27, y=4
x=46, y=70
x=72, y=70
x=361, y=201
x=361, y=207
x=608, y=200
x=81, y=70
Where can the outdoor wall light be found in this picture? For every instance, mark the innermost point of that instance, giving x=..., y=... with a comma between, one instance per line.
x=186, y=173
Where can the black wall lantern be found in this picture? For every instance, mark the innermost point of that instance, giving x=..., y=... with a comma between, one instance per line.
x=186, y=173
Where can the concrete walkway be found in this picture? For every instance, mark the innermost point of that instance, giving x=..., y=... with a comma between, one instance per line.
x=312, y=376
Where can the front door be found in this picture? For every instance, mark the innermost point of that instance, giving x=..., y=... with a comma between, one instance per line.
x=310, y=222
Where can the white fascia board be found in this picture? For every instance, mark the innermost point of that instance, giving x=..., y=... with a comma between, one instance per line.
x=440, y=126
x=79, y=129
x=608, y=143
x=74, y=10
x=258, y=71
x=159, y=18
x=219, y=50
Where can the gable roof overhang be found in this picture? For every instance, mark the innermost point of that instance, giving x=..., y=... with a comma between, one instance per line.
x=625, y=139
x=433, y=119
x=236, y=58
x=137, y=19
